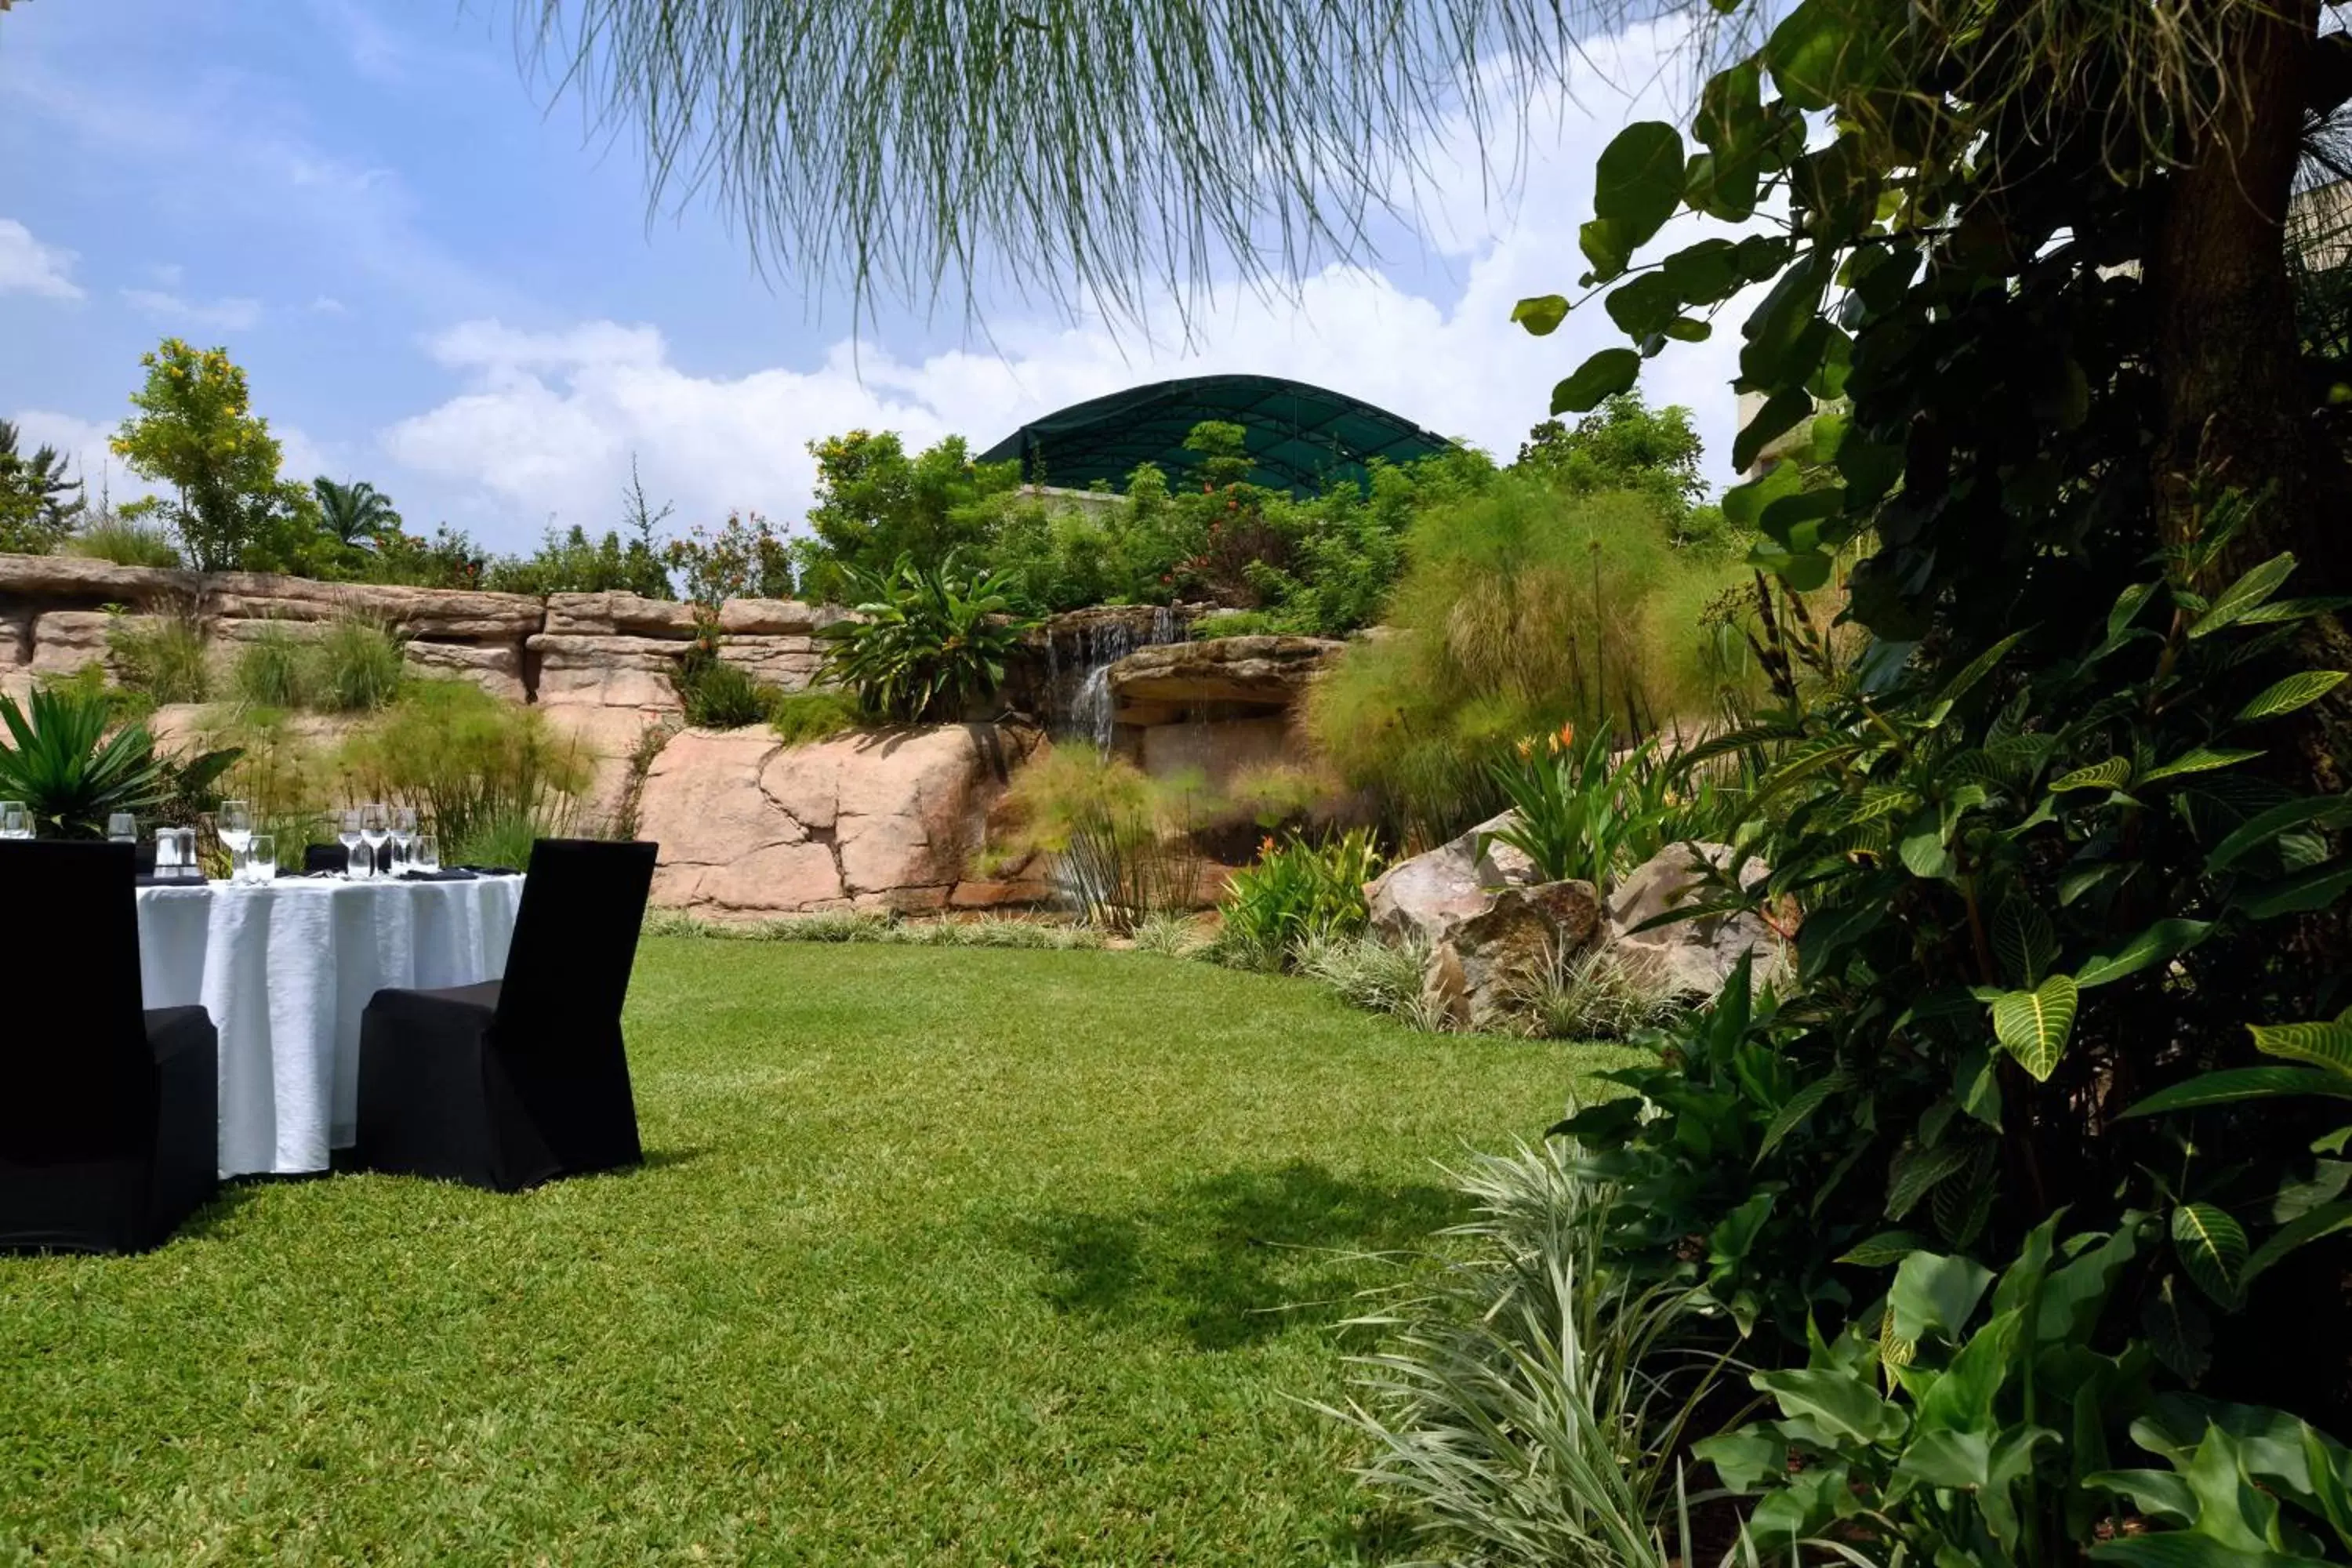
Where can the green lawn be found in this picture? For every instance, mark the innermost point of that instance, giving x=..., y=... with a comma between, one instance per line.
x=939, y=1255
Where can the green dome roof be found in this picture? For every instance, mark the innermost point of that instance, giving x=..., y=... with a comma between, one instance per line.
x=1301, y=438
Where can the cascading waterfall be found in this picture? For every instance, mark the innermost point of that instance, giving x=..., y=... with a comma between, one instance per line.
x=1099, y=644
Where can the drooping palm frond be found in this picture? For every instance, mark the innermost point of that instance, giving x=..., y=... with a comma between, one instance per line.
x=1099, y=153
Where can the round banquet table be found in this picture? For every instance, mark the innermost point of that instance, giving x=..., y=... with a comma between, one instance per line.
x=285, y=968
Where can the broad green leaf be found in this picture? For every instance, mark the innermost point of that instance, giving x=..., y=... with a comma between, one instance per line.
x=1782, y=518
x=1639, y=181
x=1962, y=1399
x=1978, y=668
x=2159, y=944
x=1605, y=374
x=2160, y=1494
x=2033, y=1024
x=2127, y=607
x=1704, y=273
x=2201, y=760
x=2234, y=1084
x=2325, y=1220
x=2073, y=1296
x=2211, y=1245
x=2325, y=810
x=2178, y=1330
x=1916, y=1171
x=2295, y=691
x=2025, y=941
x=1799, y=1106
x=1744, y=1457
x=1540, y=314
x=2312, y=887
x=2325, y=1045
x=1887, y=1247
x=1782, y=413
x=1958, y=1461
x=1685, y=330
x=2279, y=610
x=1815, y=52
x=2113, y=774
x=2243, y=596
x=1605, y=247
x=1642, y=306
x=1744, y=505
x=1731, y=118
x=1841, y=1403
x=1934, y=1295
x=1922, y=849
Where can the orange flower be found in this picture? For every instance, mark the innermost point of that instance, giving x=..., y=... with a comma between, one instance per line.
x=1527, y=749
x=1265, y=845
x=1566, y=739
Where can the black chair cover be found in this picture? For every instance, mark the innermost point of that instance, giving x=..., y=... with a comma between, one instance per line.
x=109, y=1122
x=317, y=857
x=514, y=1082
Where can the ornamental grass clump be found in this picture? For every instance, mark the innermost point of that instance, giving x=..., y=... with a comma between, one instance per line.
x=1120, y=845
x=479, y=769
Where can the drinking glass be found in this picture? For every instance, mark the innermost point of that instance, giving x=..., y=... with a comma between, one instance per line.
x=349, y=836
x=427, y=856
x=121, y=827
x=404, y=836
x=167, y=854
x=375, y=829
x=261, y=858
x=190, y=871
x=234, y=823
x=16, y=821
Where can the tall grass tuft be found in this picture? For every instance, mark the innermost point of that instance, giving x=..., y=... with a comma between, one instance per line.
x=119, y=539
x=1122, y=844
x=479, y=769
x=1523, y=1407
x=1602, y=993
x=160, y=658
x=276, y=669
x=1367, y=973
x=358, y=665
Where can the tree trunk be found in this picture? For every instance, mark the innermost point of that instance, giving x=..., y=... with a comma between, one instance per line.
x=2236, y=411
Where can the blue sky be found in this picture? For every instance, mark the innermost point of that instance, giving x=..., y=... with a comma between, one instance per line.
x=439, y=281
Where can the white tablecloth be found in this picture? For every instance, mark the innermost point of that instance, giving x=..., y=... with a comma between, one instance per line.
x=286, y=969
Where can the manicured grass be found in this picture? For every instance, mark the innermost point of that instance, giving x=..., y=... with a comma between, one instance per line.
x=939, y=1257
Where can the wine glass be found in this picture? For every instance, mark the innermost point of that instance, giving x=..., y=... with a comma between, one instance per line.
x=121, y=827
x=427, y=855
x=374, y=828
x=349, y=836
x=234, y=823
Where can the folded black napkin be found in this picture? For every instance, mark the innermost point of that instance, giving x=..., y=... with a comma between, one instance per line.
x=447, y=874
x=147, y=879
x=492, y=871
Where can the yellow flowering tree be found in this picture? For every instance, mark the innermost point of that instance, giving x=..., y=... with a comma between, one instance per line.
x=195, y=432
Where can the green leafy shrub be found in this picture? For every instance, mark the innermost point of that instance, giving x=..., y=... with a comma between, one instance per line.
x=1367, y=972
x=72, y=765
x=819, y=713
x=928, y=643
x=1120, y=844
x=162, y=657
x=1600, y=994
x=482, y=770
x=122, y=540
x=718, y=695
x=1295, y=891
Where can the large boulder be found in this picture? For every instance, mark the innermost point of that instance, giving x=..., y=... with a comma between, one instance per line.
x=1423, y=899
x=1695, y=956
x=1264, y=673
x=1480, y=970
x=749, y=826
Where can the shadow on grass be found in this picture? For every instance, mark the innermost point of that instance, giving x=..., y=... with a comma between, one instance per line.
x=1231, y=1259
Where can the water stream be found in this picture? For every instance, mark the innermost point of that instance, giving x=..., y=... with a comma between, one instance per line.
x=1096, y=645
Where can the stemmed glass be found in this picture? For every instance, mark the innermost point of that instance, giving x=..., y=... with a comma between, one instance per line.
x=235, y=824
x=349, y=836
x=376, y=830
x=403, y=836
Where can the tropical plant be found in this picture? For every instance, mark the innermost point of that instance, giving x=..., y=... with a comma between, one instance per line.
x=162, y=658
x=874, y=503
x=1119, y=844
x=1297, y=890
x=1523, y=1407
x=1577, y=810
x=38, y=503
x=926, y=642
x=354, y=513
x=72, y=765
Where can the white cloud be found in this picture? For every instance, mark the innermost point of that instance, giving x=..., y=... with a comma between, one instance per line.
x=548, y=420
x=28, y=267
x=227, y=315
x=327, y=305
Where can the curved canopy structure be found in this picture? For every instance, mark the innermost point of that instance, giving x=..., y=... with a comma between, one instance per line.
x=1301, y=438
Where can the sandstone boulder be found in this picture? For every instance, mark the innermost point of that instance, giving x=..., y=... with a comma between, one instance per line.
x=1477, y=973
x=65, y=640
x=616, y=613
x=1268, y=672
x=495, y=666
x=1697, y=956
x=1423, y=899
x=444, y=613
x=607, y=672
